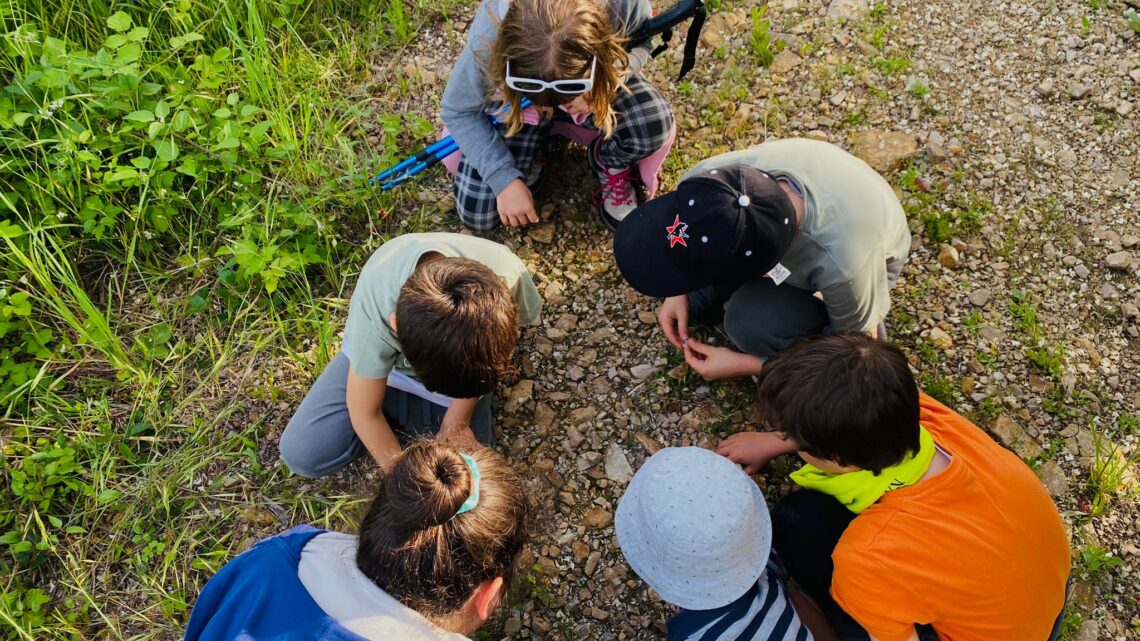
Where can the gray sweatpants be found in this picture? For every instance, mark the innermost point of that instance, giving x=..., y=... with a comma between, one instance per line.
x=319, y=439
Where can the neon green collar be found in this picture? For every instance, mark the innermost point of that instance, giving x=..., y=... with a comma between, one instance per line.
x=859, y=490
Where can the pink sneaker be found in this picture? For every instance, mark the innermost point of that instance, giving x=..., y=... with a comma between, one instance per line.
x=615, y=196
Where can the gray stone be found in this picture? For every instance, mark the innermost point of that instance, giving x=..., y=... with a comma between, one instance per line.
x=1054, y=479
x=1089, y=631
x=617, y=465
x=1079, y=91
x=980, y=297
x=1081, y=271
x=643, y=371
x=846, y=10
x=991, y=334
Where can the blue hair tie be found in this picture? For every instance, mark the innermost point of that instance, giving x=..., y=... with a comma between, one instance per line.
x=473, y=499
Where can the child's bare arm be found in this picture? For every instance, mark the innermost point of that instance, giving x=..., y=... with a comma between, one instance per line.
x=456, y=425
x=365, y=400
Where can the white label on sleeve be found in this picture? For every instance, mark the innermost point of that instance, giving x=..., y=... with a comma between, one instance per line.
x=778, y=274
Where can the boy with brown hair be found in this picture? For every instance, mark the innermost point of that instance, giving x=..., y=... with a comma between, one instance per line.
x=913, y=521
x=432, y=327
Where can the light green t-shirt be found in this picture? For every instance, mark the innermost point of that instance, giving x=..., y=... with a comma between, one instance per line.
x=854, y=236
x=369, y=343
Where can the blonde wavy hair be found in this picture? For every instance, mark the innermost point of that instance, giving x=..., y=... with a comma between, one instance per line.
x=557, y=40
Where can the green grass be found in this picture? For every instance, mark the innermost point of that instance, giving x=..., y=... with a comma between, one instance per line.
x=184, y=185
x=1108, y=472
x=891, y=66
x=943, y=215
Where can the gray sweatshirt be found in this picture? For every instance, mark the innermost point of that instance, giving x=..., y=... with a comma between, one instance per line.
x=467, y=90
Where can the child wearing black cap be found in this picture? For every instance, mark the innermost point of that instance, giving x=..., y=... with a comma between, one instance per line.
x=748, y=239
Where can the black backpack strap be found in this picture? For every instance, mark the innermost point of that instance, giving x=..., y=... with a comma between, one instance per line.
x=692, y=39
x=663, y=25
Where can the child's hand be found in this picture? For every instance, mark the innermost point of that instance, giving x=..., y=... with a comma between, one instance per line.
x=714, y=363
x=673, y=316
x=753, y=450
x=516, y=205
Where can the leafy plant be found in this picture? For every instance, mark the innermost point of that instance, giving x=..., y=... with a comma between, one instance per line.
x=1023, y=312
x=1098, y=561
x=1049, y=360
x=764, y=50
x=1133, y=19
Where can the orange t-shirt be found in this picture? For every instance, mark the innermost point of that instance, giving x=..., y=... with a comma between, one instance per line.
x=978, y=550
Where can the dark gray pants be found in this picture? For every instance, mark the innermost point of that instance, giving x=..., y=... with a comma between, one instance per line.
x=759, y=317
x=319, y=439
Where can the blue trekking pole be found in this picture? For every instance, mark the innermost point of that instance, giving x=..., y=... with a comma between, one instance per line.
x=661, y=24
x=424, y=158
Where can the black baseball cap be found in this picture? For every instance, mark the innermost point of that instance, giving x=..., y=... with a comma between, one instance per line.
x=721, y=226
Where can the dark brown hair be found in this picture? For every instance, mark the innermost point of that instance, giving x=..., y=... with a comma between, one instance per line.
x=556, y=40
x=458, y=326
x=845, y=397
x=412, y=548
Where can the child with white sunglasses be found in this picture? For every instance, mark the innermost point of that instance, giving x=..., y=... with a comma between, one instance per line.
x=567, y=58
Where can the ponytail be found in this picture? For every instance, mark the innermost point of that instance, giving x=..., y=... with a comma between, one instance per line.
x=417, y=546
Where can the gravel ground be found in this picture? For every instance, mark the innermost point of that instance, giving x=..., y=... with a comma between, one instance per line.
x=1009, y=130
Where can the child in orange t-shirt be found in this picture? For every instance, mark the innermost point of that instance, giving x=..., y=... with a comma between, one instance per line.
x=917, y=525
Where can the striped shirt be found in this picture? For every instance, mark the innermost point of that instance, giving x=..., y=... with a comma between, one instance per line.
x=764, y=613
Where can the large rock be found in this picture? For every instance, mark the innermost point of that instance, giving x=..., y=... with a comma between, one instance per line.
x=582, y=415
x=1121, y=260
x=884, y=150
x=596, y=518
x=980, y=297
x=948, y=256
x=940, y=339
x=1053, y=477
x=1014, y=436
x=846, y=10
x=519, y=395
x=785, y=61
x=617, y=465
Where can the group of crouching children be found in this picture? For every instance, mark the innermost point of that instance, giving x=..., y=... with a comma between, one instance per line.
x=910, y=522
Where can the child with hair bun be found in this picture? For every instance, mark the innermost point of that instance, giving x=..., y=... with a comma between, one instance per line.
x=567, y=57
x=434, y=555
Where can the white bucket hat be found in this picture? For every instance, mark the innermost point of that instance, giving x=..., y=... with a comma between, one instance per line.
x=694, y=527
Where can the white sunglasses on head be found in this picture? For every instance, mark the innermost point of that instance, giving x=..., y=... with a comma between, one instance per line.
x=568, y=87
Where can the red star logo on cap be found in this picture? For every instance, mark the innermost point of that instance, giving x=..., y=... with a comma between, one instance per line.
x=678, y=232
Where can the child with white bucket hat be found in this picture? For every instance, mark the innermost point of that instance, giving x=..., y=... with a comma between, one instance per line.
x=695, y=528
